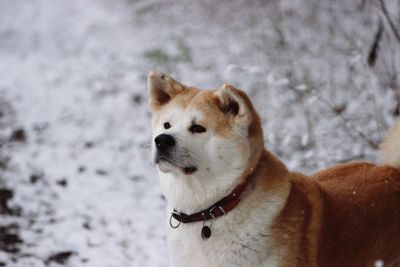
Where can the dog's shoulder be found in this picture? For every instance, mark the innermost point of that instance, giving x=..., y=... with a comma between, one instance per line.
x=300, y=220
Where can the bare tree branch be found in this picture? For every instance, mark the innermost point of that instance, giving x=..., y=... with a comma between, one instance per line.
x=373, y=52
x=351, y=129
x=389, y=20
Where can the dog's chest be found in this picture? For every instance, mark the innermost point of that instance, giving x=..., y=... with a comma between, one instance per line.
x=236, y=240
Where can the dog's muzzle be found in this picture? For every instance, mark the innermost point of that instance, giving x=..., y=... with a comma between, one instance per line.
x=166, y=146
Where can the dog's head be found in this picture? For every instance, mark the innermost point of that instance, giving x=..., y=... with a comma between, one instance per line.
x=204, y=142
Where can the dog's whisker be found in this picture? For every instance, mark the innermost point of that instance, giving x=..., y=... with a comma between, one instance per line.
x=245, y=246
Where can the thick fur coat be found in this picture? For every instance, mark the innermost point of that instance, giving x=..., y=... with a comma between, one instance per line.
x=345, y=216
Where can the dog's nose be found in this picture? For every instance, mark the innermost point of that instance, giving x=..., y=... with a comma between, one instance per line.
x=164, y=141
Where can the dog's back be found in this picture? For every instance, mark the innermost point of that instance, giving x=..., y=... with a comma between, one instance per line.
x=347, y=215
x=361, y=215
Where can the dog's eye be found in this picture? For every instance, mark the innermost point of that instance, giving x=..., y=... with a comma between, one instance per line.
x=195, y=128
x=167, y=125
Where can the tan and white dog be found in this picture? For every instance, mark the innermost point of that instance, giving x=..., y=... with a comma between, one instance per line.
x=233, y=203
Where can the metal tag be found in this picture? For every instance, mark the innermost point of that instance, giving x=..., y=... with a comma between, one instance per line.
x=205, y=232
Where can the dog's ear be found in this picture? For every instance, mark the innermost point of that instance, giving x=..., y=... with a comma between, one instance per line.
x=161, y=88
x=236, y=104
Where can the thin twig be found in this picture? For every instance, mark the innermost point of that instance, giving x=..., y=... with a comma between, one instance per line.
x=389, y=20
x=348, y=125
x=373, y=52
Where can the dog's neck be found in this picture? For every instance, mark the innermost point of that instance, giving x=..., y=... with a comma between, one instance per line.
x=190, y=196
x=270, y=170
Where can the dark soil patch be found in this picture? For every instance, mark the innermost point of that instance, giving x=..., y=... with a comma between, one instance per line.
x=62, y=182
x=4, y=162
x=137, y=99
x=101, y=172
x=18, y=135
x=10, y=240
x=5, y=209
x=35, y=177
x=81, y=169
x=5, y=196
x=60, y=257
x=89, y=144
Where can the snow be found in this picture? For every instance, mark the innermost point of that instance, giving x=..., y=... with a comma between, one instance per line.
x=379, y=263
x=74, y=79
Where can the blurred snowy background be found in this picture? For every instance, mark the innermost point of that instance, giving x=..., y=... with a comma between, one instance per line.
x=77, y=186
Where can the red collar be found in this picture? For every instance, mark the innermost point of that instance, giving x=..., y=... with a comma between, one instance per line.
x=216, y=210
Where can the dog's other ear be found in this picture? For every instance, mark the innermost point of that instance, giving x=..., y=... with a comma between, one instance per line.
x=236, y=104
x=161, y=88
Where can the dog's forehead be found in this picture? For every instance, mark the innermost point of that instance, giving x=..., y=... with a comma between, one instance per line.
x=181, y=113
x=204, y=107
x=202, y=101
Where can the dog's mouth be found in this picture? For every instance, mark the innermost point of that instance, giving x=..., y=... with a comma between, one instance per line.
x=189, y=170
x=164, y=163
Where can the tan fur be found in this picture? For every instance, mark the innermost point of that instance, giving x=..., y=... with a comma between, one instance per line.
x=390, y=148
x=209, y=102
x=344, y=216
x=362, y=215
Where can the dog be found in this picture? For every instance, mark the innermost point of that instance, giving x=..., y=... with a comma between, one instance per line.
x=231, y=202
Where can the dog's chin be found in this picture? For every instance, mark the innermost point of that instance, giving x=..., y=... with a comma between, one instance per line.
x=165, y=167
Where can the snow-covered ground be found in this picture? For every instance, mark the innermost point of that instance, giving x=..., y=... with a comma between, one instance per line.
x=77, y=186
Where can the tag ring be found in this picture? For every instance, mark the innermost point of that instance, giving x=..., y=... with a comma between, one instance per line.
x=173, y=226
